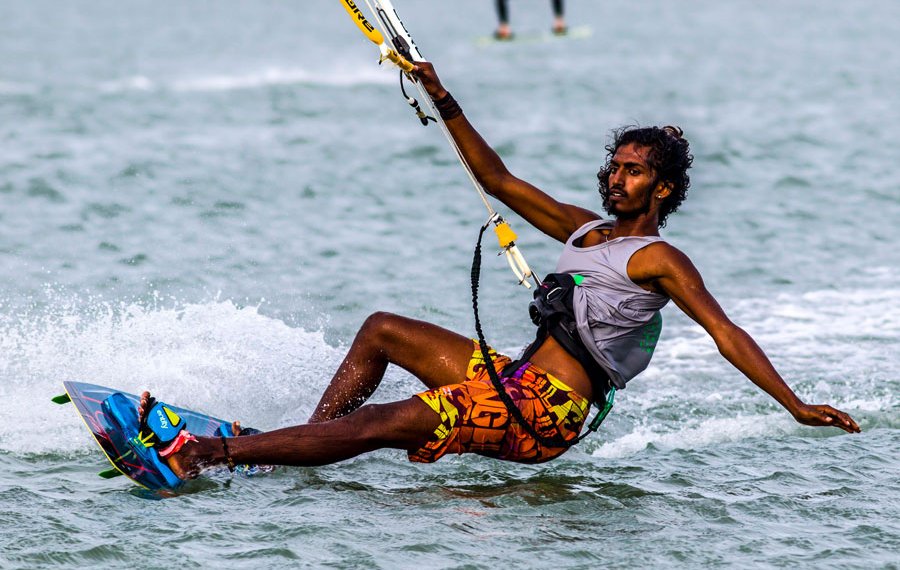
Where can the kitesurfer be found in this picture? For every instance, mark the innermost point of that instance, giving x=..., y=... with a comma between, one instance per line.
x=624, y=273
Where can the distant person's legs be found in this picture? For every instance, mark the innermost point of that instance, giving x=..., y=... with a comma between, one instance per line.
x=504, y=32
x=559, y=20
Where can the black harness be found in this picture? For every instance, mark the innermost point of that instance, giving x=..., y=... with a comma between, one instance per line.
x=552, y=311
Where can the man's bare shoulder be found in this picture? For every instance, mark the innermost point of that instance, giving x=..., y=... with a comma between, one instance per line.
x=660, y=259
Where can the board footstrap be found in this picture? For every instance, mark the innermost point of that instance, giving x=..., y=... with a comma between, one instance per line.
x=124, y=414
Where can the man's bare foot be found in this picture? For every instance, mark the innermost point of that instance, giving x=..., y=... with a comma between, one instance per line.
x=504, y=32
x=196, y=454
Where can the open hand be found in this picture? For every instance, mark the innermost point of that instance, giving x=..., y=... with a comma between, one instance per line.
x=823, y=415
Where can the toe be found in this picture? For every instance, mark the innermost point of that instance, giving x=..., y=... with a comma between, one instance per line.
x=145, y=399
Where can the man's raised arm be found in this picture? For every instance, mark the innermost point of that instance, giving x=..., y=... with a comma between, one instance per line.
x=554, y=218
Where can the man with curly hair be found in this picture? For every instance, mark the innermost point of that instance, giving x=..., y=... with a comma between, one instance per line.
x=616, y=274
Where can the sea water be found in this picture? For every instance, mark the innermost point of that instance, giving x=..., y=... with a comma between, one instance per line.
x=208, y=198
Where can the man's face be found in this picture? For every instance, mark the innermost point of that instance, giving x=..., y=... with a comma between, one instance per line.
x=631, y=181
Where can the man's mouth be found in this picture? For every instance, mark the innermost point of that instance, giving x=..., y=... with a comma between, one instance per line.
x=617, y=195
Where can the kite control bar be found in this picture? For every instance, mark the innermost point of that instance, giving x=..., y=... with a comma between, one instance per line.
x=387, y=54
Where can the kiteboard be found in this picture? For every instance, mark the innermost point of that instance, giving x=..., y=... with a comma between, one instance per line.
x=535, y=37
x=105, y=411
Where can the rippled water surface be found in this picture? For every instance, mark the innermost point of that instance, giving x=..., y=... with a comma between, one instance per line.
x=208, y=198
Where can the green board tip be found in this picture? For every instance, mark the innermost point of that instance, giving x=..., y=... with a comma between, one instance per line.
x=110, y=473
x=61, y=399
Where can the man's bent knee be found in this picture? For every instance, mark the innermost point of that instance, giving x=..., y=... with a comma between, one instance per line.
x=385, y=329
x=379, y=323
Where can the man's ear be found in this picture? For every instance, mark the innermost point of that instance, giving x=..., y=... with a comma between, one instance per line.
x=663, y=189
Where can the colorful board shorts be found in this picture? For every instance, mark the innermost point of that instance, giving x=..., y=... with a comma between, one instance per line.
x=475, y=420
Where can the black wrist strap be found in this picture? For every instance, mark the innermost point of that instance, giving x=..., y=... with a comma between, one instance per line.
x=447, y=107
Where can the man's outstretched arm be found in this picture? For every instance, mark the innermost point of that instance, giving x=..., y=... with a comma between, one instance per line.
x=675, y=275
x=556, y=219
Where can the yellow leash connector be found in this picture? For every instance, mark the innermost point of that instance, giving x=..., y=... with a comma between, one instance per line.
x=507, y=238
x=387, y=54
x=505, y=234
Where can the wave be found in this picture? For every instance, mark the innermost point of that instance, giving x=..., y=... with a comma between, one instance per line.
x=696, y=435
x=215, y=357
x=832, y=346
x=268, y=77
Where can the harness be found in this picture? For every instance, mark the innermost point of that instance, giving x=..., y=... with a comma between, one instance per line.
x=552, y=311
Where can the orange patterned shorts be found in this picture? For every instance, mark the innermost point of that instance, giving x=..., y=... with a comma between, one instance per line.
x=475, y=420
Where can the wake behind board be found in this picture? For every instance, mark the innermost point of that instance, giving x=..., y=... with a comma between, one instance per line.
x=89, y=400
x=534, y=37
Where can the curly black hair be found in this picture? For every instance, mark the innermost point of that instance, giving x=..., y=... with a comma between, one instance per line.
x=669, y=157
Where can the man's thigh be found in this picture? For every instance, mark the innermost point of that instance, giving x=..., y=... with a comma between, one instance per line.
x=433, y=354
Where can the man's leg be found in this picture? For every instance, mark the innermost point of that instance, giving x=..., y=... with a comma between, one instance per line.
x=433, y=354
x=400, y=425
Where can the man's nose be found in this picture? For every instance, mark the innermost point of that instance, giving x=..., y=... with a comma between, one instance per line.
x=615, y=179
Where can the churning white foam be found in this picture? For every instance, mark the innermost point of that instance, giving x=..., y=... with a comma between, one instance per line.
x=215, y=357
x=696, y=434
x=832, y=346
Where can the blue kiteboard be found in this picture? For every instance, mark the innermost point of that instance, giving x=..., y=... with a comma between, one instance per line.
x=111, y=416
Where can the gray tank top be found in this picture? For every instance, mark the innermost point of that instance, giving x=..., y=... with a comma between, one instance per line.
x=618, y=321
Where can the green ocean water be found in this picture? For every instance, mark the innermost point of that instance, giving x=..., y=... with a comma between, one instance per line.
x=208, y=198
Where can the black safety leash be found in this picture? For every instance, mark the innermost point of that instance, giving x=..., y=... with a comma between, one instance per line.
x=514, y=410
x=415, y=104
